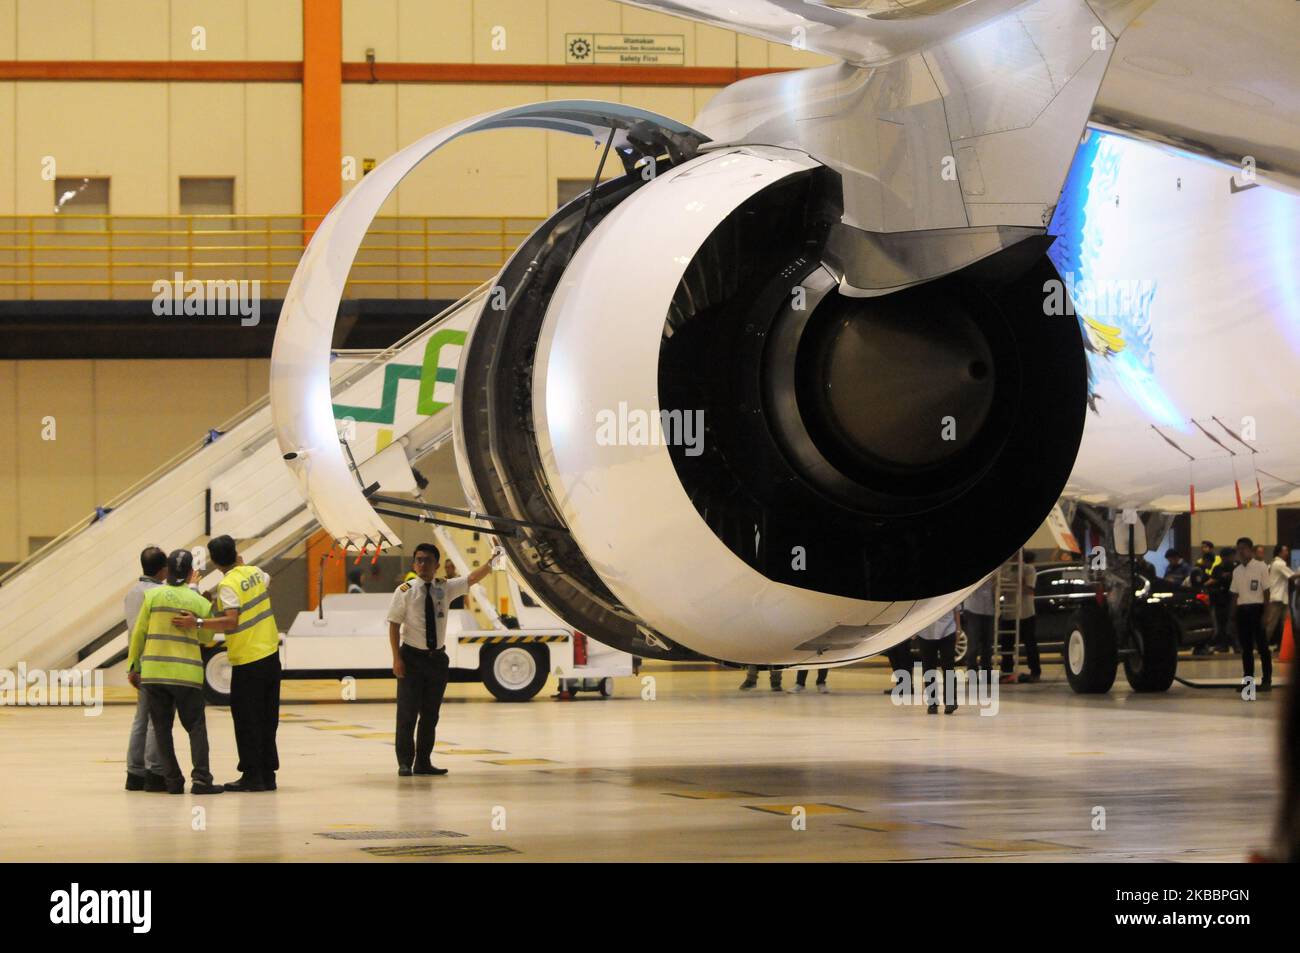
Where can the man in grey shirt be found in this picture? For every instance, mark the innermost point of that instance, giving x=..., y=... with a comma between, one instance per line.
x=144, y=767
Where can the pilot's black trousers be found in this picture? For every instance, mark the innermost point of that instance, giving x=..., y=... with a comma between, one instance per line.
x=1250, y=630
x=419, y=697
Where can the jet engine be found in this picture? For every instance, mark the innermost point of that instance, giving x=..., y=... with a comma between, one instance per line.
x=710, y=438
x=739, y=457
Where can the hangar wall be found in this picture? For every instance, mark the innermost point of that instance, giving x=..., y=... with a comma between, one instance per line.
x=114, y=422
x=144, y=135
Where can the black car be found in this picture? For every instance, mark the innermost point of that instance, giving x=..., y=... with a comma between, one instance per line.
x=1060, y=588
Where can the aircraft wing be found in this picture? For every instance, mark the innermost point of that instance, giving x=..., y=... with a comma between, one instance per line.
x=1210, y=78
x=861, y=32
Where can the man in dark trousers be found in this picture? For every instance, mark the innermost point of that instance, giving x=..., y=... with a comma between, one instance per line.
x=1249, y=593
x=417, y=624
x=242, y=610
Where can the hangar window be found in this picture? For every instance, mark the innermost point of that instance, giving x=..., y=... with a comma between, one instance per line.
x=81, y=195
x=208, y=196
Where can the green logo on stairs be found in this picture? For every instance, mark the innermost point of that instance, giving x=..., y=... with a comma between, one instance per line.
x=429, y=374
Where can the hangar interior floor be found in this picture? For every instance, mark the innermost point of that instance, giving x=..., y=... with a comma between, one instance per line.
x=702, y=772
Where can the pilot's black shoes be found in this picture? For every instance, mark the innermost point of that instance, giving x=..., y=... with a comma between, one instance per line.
x=932, y=709
x=177, y=787
x=270, y=781
x=155, y=783
x=949, y=709
x=199, y=788
x=403, y=771
x=429, y=769
x=134, y=782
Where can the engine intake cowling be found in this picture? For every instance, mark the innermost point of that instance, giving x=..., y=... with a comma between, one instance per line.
x=750, y=464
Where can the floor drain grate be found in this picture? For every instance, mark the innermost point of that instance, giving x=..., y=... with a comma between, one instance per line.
x=387, y=835
x=439, y=850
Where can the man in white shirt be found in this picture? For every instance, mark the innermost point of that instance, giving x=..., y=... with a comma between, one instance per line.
x=1249, y=592
x=417, y=628
x=1279, y=596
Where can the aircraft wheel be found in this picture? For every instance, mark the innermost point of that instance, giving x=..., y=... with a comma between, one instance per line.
x=515, y=673
x=1091, y=656
x=1153, y=666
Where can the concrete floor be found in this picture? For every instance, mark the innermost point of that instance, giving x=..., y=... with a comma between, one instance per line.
x=702, y=772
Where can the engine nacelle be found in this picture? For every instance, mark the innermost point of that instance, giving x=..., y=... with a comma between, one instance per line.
x=741, y=461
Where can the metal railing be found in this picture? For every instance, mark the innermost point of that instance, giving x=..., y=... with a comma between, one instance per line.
x=123, y=257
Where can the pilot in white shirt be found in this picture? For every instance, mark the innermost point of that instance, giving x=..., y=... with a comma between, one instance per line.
x=417, y=619
x=407, y=608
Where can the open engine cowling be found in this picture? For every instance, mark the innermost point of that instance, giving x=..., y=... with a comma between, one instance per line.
x=748, y=464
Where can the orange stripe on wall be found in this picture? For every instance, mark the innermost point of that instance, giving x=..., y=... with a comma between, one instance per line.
x=551, y=75
x=322, y=106
x=174, y=71
x=259, y=71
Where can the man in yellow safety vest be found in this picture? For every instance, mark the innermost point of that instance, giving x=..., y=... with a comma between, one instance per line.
x=242, y=610
x=166, y=664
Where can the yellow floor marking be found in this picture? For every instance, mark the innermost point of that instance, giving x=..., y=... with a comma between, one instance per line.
x=887, y=827
x=473, y=751
x=374, y=734
x=1012, y=846
x=341, y=727
x=712, y=795
x=810, y=809
x=313, y=721
x=514, y=760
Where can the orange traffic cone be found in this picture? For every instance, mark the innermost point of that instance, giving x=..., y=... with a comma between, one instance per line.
x=1288, y=642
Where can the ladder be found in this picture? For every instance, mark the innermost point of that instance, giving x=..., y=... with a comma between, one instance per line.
x=1007, y=609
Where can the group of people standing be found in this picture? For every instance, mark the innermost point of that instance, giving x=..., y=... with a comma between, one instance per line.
x=170, y=623
x=1248, y=594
